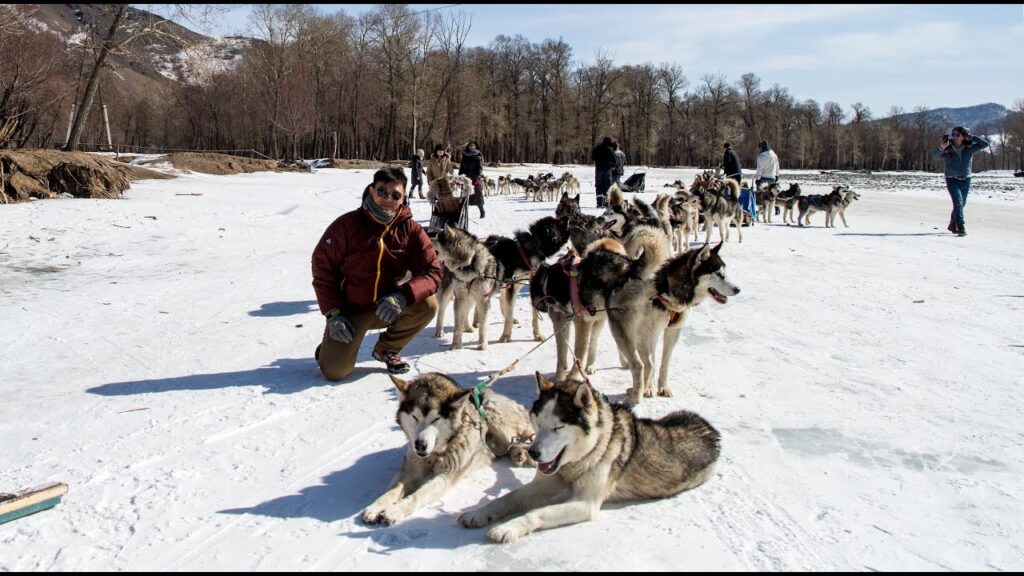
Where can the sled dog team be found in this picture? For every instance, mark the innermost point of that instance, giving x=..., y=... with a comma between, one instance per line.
x=631, y=268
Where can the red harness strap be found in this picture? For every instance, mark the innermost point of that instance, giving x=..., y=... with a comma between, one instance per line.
x=674, y=318
x=570, y=266
x=526, y=259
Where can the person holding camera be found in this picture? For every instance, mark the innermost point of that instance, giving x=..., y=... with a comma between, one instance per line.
x=956, y=150
x=373, y=268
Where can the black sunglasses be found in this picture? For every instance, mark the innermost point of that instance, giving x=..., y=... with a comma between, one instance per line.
x=384, y=193
x=955, y=134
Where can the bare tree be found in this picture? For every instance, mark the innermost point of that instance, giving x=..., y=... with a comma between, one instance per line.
x=719, y=103
x=596, y=86
x=671, y=82
x=127, y=26
x=30, y=71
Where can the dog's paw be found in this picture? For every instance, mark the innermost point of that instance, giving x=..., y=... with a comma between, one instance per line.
x=456, y=345
x=372, y=515
x=481, y=346
x=519, y=456
x=664, y=392
x=648, y=393
x=505, y=338
x=515, y=320
x=509, y=531
x=590, y=370
x=538, y=337
x=393, y=515
x=474, y=519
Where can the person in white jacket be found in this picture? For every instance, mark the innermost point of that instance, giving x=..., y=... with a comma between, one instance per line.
x=767, y=165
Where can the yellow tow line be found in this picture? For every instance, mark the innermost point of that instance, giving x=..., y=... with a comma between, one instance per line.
x=380, y=256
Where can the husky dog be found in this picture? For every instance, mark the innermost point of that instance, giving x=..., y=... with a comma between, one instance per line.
x=720, y=204
x=685, y=212
x=788, y=197
x=573, y=291
x=518, y=257
x=472, y=276
x=812, y=203
x=447, y=441
x=840, y=209
x=638, y=226
x=644, y=308
x=601, y=452
x=766, y=196
x=584, y=229
x=447, y=187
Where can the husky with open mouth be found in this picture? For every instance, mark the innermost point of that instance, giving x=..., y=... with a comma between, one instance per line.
x=597, y=452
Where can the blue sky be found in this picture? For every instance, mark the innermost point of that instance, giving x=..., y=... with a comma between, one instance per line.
x=880, y=55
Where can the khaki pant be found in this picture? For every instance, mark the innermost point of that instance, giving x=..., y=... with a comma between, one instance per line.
x=337, y=359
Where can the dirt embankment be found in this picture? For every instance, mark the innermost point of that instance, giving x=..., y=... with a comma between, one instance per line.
x=212, y=163
x=26, y=174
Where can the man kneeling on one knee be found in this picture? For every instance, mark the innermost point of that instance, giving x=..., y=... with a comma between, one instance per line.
x=374, y=268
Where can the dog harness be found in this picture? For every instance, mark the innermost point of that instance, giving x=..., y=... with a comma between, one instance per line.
x=526, y=259
x=571, y=267
x=674, y=318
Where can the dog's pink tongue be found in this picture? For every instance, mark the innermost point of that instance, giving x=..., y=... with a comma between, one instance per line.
x=545, y=467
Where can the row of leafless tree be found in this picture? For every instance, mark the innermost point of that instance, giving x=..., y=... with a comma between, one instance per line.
x=393, y=80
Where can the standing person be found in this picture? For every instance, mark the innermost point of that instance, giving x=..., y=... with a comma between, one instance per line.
x=603, y=156
x=438, y=170
x=731, y=164
x=416, y=166
x=471, y=165
x=360, y=270
x=956, y=151
x=767, y=165
x=620, y=164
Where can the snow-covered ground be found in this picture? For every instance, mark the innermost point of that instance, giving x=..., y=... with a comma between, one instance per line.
x=156, y=355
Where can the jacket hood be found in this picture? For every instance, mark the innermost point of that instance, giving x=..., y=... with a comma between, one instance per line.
x=474, y=152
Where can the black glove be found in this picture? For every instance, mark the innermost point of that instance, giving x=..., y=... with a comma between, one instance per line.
x=338, y=327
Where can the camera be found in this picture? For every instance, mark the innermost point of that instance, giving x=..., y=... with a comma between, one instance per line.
x=945, y=137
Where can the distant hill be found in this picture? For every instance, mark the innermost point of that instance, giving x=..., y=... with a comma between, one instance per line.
x=979, y=119
x=153, y=62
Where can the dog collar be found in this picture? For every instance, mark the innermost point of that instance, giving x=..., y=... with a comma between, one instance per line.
x=674, y=318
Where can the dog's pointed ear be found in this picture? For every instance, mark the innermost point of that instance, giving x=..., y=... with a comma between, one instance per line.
x=584, y=395
x=402, y=385
x=543, y=384
x=704, y=254
x=715, y=250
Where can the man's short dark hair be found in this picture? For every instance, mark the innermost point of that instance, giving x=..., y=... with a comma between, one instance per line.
x=391, y=174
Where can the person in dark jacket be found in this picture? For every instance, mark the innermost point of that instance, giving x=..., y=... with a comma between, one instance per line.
x=731, y=164
x=472, y=167
x=956, y=152
x=373, y=268
x=620, y=164
x=603, y=157
x=416, y=167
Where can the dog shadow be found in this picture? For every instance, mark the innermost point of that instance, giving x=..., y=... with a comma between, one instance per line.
x=282, y=376
x=442, y=531
x=341, y=495
x=275, y=309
